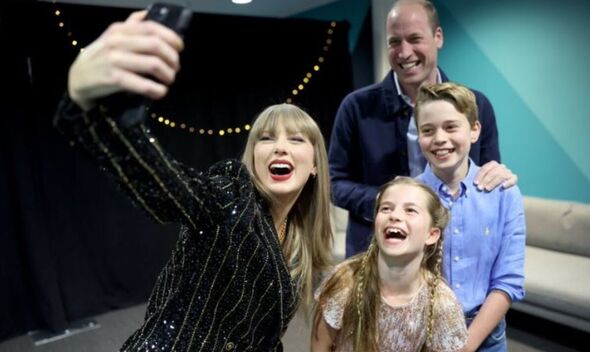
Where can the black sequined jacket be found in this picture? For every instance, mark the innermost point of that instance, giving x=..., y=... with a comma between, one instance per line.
x=226, y=286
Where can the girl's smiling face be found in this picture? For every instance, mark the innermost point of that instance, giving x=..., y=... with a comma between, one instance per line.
x=403, y=224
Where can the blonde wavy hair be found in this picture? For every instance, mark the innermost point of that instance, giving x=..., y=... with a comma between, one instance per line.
x=360, y=273
x=308, y=247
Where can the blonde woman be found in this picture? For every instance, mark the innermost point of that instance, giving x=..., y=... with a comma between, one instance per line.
x=392, y=298
x=254, y=232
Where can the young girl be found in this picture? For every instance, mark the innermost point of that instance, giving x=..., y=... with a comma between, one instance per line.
x=391, y=298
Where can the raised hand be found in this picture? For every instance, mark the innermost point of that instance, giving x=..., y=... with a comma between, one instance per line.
x=136, y=56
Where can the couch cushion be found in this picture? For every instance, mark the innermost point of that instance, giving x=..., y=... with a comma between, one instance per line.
x=559, y=225
x=558, y=281
x=339, y=219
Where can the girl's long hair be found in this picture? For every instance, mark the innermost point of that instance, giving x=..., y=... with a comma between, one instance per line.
x=360, y=273
x=308, y=244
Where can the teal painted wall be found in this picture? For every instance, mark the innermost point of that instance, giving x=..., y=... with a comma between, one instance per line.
x=532, y=59
x=353, y=11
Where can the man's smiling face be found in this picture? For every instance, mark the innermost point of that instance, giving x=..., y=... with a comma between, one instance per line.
x=412, y=45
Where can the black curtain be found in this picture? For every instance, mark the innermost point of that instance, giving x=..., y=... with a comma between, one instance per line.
x=71, y=244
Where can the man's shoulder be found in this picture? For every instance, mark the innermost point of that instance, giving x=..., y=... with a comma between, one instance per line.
x=378, y=99
x=480, y=97
x=366, y=92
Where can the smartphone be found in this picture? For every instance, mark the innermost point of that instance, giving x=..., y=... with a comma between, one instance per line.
x=174, y=17
x=133, y=108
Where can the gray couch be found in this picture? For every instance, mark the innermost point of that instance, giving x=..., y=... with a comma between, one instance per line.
x=557, y=264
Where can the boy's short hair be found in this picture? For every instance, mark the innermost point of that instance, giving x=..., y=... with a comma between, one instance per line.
x=461, y=97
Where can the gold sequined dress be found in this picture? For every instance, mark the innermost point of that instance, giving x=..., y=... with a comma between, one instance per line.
x=226, y=286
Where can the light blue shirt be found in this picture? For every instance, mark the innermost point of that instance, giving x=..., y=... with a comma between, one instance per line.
x=416, y=161
x=484, y=242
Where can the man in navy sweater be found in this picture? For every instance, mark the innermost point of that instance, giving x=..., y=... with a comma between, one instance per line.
x=374, y=137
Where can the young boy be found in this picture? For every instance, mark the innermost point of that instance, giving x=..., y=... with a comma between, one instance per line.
x=485, y=240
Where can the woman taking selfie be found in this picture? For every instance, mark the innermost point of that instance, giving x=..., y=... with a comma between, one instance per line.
x=255, y=233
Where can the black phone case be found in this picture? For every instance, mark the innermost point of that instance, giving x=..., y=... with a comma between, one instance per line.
x=133, y=108
x=172, y=16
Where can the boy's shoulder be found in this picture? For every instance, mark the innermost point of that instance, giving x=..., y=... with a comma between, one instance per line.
x=499, y=193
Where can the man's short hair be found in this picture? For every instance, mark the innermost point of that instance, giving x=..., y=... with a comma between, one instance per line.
x=429, y=8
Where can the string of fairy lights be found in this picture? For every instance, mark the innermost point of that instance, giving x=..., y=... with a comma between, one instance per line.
x=171, y=122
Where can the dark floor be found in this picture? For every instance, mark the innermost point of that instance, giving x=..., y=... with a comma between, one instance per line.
x=525, y=334
x=528, y=333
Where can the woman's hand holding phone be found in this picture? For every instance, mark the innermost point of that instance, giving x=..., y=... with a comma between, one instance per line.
x=134, y=56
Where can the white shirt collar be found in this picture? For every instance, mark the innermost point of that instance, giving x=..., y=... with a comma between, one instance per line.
x=401, y=93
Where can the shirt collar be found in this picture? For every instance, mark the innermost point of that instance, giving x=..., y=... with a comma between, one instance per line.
x=401, y=93
x=431, y=179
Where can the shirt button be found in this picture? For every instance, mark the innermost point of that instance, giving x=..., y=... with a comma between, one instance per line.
x=456, y=230
x=458, y=285
x=456, y=258
x=229, y=346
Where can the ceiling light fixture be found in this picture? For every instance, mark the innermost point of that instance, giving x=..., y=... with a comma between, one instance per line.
x=241, y=2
